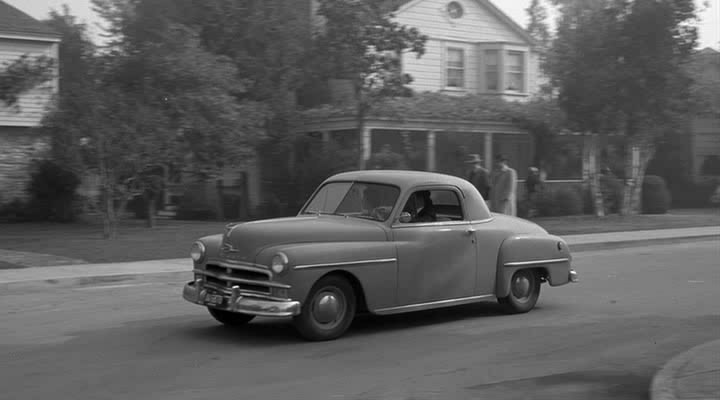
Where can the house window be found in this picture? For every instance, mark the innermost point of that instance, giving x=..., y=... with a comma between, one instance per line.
x=455, y=68
x=492, y=81
x=515, y=71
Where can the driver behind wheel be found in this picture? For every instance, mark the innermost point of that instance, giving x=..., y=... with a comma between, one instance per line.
x=428, y=212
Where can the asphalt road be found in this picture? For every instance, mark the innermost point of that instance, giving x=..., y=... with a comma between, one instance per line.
x=602, y=338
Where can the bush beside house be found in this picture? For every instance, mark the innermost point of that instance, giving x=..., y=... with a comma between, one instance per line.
x=655, y=195
x=52, y=196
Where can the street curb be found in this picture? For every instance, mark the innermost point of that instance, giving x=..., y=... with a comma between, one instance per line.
x=124, y=276
x=90, y=280
x=663, y=383
x=582, y=247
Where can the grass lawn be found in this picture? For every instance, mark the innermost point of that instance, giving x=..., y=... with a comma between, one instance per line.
x=172, y=239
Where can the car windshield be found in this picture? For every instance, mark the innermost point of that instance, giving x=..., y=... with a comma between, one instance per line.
x=354, y=199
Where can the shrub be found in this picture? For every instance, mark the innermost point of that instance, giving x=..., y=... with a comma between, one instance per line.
x=655, y=195
x=561, y=201
x=196, y=204
x=568, y=202
x=612, y=190
x=52, y=193
x=14, y=211
x=692, y=195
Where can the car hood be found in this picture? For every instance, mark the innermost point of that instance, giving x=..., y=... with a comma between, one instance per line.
x=249, y=238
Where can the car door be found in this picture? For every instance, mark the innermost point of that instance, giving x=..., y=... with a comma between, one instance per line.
x=436, y=259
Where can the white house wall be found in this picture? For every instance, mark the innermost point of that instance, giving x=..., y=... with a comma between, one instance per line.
x=476, y=25
x=33, y=104
x=478, y=29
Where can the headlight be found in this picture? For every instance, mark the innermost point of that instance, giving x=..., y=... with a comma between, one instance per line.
x=279, y=263
x=197, y=252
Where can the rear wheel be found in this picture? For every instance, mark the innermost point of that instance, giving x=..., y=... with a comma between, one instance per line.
x=230, y=318
x=329, y=310
x=524, y=292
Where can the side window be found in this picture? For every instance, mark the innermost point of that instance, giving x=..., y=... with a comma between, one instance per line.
x=434, y=206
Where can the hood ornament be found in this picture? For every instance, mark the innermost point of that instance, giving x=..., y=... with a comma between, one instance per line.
x=228, y=248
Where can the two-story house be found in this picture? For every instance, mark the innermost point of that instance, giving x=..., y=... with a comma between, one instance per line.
x=21, y=35
x=473, y=48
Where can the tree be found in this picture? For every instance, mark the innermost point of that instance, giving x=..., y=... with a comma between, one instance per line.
x=156, y=98
x=23, y=74
x=618, y=68
x=360, y=42
x=537, y=25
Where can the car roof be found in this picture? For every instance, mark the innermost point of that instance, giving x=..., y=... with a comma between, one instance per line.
x=406, y=180
x=401, y=178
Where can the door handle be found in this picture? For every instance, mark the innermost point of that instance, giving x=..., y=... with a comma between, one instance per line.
x=470, y=231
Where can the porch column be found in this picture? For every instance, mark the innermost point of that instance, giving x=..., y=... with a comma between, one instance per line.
x=366, y=146
x=431, y=151
x=488, y=150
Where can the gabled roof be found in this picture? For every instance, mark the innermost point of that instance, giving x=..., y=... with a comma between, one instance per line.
x=400, y=5
x=17, y=23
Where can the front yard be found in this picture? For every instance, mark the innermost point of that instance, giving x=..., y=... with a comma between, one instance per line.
x=172, y=239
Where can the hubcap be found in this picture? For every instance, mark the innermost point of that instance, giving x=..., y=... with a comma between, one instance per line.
x=521, y=287
x=328, y=307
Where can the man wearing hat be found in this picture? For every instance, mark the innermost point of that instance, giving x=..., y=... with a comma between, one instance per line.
x=477, y=175
x=504, y=186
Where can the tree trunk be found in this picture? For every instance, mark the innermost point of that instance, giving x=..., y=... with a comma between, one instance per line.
x=637, y=158
x=360, y=119
x=594, y=177
x=151, y=210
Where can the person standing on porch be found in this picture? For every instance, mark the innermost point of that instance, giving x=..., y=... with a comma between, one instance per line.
x=477, y=175
x=503, y=187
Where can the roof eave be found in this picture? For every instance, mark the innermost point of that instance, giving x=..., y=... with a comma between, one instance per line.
x=30, y=36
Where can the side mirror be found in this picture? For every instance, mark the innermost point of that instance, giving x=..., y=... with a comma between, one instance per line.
x=405, y=217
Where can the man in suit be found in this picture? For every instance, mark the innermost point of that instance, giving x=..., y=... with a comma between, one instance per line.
x=477, y=175
x=503, y=187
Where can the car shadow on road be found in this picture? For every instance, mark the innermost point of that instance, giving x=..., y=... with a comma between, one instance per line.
x=281, y=331
x=372, y=324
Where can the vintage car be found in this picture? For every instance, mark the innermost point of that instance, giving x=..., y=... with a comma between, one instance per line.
x=379, y=242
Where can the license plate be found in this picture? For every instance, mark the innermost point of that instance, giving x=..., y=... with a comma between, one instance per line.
x=213, y=299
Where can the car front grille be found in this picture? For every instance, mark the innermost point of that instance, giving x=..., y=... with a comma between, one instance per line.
x=250, y=279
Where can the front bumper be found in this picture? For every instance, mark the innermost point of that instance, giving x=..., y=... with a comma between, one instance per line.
x=573, y=276
x=194, y=292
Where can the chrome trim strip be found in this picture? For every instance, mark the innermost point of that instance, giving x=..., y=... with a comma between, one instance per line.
x=337, y=264
x=536, y=262
x=226, y=277
x=400, y=225
x=229, y=263
x=432, y=304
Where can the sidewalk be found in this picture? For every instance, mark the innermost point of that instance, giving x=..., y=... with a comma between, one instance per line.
x=577, y=243
x=694, y=374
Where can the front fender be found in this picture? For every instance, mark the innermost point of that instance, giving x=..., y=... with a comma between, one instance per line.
x=212, y=245
x=372, y=266
x=548, y=253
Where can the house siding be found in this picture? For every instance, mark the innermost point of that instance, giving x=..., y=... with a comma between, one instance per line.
x=476, y=25
x=478, y=29
x=33, y=104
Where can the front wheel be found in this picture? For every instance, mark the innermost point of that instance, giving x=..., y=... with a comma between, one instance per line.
x=329, y=310
x=230, y=318
x=524, y=292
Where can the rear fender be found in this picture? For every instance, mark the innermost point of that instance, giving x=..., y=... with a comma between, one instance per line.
x=548, y=254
